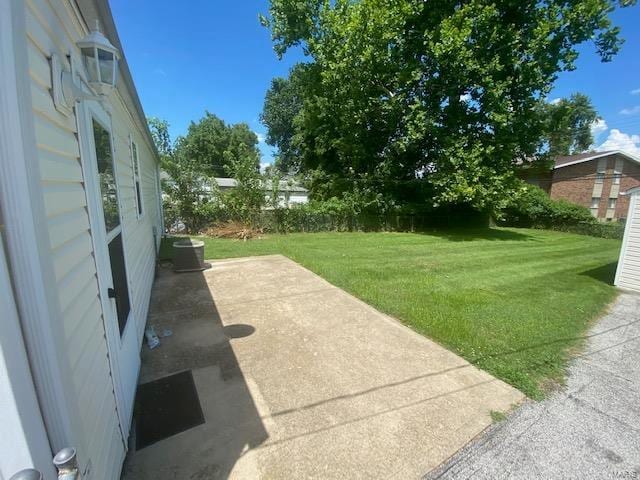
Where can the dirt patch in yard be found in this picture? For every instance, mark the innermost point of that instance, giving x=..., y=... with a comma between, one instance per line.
x=233, y=230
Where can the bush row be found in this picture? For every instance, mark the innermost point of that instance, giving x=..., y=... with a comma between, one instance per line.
x=530, y=208
x=533, y=208
x=595, y=229
x=300, y=220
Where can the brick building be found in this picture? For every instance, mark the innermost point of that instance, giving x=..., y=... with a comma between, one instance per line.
x=596, y=180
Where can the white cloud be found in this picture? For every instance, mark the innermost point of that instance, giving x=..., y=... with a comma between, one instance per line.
x=465, y=98
x=618, y=140
x=635, y=91
x=630, y=111
x=555, y=101
x=598, y=127
x=261, y=137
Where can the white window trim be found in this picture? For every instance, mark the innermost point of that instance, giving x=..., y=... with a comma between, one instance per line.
x=137, y=177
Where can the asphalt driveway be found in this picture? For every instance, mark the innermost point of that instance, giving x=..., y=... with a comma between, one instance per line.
x=589, y=430
x=298, y=379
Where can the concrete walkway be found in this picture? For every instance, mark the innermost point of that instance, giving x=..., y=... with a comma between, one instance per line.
x=297, y=379
x=590, y=430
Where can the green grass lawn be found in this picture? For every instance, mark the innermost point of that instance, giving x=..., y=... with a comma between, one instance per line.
x=514, y=302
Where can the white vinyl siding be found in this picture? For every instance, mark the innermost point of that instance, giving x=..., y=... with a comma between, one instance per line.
x=628, y=274
x=140, y=242
x=55, y=26
x=298, y=198
x=97, y=423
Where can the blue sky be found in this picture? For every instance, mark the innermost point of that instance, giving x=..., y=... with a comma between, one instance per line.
x=214, y=55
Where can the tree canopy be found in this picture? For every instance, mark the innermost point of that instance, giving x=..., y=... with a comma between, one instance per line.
x=160, y=134
x=568, y=125
x=214, y=145
x=441, y=92
x=210, y=148
x=282, y=105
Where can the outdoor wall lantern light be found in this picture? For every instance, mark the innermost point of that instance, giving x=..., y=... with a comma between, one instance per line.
x=100, y=62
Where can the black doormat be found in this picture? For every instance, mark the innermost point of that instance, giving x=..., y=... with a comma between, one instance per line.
x=165, y=407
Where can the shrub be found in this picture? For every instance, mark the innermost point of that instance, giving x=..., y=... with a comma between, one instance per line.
x=596, y=229
x=247, y=198
x=533, y=208
x=190, y=197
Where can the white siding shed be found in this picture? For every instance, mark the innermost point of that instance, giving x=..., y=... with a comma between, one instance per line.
x=628, y=274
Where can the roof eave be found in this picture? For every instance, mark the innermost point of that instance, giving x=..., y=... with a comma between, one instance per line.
x=627, y=155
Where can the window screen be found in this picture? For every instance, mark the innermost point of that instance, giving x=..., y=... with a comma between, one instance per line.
x=135, y=162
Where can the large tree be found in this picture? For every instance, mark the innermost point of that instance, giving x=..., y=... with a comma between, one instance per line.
x=443, y=90
x=568, y=123
x=282, y=104
x=212, y=144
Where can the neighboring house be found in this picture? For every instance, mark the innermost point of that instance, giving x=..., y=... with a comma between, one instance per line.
x=80, y=224
x=595, y=180
x=289, y=193
x=628, y=273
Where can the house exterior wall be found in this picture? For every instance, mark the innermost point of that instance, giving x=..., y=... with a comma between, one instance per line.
x=286, y=198
x=298, y=198
x=142, y=234
x=54, y=26
x=574, y=183
x=24, y=439
x=628, y=274
x=577, y=184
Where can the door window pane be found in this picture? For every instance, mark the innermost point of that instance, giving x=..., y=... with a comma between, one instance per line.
x=108, y=188
x=119, y=276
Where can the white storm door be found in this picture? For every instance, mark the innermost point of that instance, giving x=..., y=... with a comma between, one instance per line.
x=103, y=201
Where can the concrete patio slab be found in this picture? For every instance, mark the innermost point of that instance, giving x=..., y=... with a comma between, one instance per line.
x=298, y=379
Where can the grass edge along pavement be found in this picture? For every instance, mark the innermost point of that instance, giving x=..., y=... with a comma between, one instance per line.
x=515, y=302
